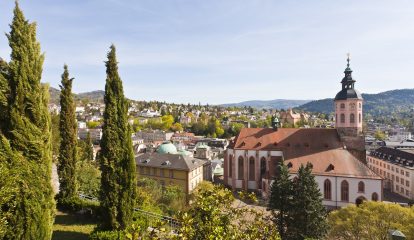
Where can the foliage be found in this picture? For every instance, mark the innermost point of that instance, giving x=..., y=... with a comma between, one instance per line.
x=308, y=213
x=380, y=135
x=118, y=179
x=68, y=134
x=26, y=127
x=213, y=215
x=106, y=235
x=93, y=124
x=177, y=127
x=281, y=201
x=89, y=178
x=76, y=204
x=370, y=220
x=55, y=118
x=153, y=197
x=297, y=205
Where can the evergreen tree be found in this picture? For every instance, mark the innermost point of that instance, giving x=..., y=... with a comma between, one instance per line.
x=26, y=129
x=118, y=188
x=89, y=147
x=280, y=202
x=68, y=134
x=308, y=214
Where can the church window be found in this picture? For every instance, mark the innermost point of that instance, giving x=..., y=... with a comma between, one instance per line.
x=262, y=167
x=342, y=105
x=251, y=169
x=360, y=118
x=327, y=190
x=360, y=105
x=342, y=118
x=361, y=187
x=344, y=191
x=374, y=196
x=241, y=168
x=352, y=118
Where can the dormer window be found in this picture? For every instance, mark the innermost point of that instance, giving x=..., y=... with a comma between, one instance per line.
x=330, y=168
x=290, y=165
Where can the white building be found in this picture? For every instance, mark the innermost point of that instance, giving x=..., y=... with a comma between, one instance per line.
x=397, y=167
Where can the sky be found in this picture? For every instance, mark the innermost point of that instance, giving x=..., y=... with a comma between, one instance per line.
x=223, y=51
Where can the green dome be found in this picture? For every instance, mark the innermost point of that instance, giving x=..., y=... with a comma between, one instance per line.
x=167, y=147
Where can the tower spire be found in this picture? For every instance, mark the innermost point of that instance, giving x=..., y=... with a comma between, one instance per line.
x=348, y=55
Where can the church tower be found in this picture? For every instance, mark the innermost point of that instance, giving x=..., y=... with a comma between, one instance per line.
x=348, y=116
x=348, y=107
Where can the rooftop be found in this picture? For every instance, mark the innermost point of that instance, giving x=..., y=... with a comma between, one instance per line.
x=169, y=161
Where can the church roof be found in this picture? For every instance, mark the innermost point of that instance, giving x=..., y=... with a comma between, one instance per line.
x=345, y=94
x=321, y=147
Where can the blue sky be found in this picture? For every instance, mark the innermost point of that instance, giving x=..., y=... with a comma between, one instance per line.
x=221, y=51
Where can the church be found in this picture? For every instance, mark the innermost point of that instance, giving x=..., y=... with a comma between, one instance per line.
x=337, y=154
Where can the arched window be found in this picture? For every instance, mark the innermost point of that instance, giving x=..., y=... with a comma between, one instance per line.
x=240, y=168
x=336, y=118
x=327, y=190
x=352, y=118
x=262, y=167
x=360, y=105
x=361, y=187
x=342, y=118
x=342, y=105
x=344, y=191
x=251, y=169
x=374, y=196
x=360, y=118
x=231, y=166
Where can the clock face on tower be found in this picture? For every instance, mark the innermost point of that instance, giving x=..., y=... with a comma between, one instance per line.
x=352, y=106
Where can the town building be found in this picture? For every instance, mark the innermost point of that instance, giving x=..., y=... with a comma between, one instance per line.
x=169, y=166
x=292, y=118
x=152, y=136
x=95, y=134
x=396, y=166
x=337, y=155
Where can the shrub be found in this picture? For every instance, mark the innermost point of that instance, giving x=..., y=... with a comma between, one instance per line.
x=78, y=205
x=107, y=235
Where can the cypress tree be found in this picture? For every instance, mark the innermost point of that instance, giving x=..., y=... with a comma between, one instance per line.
x=68, y=134
x=308, y=213
x=118, y=182
x=27, y=136
x=89, y=147
x=280, y=201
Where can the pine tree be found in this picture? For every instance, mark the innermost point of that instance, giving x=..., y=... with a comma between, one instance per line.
x=308, y=214
x=118, y=188
x=27, y=136
x=68, y=134
x=280, y=202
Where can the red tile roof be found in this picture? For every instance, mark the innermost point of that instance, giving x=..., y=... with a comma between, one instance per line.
x=321, y=147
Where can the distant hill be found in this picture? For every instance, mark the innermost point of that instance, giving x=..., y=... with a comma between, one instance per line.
x=269, y=104
x=401, y=100
x=94, y=96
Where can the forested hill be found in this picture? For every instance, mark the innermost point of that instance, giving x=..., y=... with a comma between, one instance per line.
x=94, y=96
x=401, y=100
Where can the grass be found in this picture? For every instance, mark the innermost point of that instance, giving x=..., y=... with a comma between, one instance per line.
x=72, y=227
